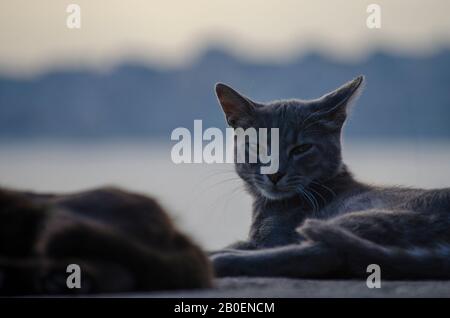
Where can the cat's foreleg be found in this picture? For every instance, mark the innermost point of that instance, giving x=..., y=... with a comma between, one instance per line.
x=308, y=259
x=235, y=247
x=242, y=245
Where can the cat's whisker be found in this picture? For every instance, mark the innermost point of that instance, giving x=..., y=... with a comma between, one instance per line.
x=325, y=187
x=320, y=195
x=218, y=173
x=234, y=192
x=313, y=198
x=198, y=185
x=224, y=181
x=204, y=186
x=226, y=197
x=300, y=189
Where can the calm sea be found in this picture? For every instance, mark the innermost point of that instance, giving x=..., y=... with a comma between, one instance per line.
x=206, y=201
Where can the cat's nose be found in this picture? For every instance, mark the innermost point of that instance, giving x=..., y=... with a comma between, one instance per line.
x=275, y=177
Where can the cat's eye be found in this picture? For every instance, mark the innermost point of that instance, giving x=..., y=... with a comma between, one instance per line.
x=300, y=149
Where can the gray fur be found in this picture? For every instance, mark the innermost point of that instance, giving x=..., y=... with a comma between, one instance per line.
x=314, y=219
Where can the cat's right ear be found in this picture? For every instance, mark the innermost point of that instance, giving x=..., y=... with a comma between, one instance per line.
x=238, y=109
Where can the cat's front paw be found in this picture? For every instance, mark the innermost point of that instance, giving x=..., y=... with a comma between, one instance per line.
x=227, y=264
x=312, y=229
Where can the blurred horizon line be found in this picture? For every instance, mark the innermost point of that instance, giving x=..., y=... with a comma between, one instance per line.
x=157, y=64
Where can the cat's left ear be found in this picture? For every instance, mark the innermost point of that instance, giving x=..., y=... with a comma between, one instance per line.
x=334, y=106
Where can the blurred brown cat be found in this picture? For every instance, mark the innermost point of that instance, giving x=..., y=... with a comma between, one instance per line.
x=122, y=242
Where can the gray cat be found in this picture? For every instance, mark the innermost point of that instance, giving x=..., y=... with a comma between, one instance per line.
x=312, y=218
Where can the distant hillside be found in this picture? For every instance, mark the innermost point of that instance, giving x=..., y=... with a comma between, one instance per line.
x=404, y=97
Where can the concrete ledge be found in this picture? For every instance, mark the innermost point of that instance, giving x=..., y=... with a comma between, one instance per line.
x=243, y=287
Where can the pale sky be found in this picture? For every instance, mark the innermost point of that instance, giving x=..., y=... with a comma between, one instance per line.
x=34, y=36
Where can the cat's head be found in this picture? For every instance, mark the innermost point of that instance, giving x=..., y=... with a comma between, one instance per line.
x=309, y=137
